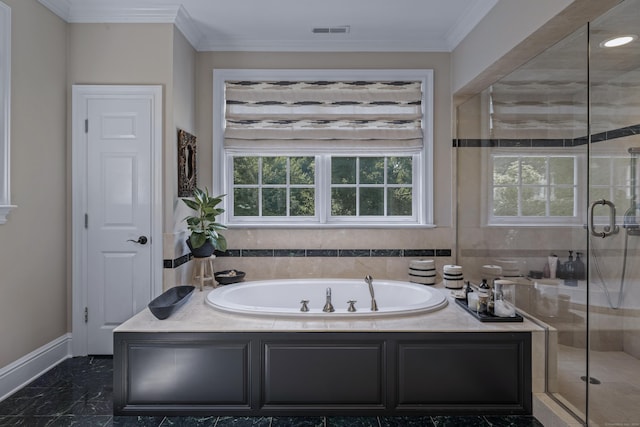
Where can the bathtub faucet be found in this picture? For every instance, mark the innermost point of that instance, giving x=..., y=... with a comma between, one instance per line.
x=328, y=307
x=369, y=280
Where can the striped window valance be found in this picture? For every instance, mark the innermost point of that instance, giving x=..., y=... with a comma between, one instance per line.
x=327, y=113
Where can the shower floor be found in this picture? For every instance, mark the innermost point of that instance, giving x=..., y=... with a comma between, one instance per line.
x=614, y=401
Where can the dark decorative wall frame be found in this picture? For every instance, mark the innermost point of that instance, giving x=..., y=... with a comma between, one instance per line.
x=186, y=163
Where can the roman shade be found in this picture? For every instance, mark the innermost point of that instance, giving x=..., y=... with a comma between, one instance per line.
x=325, y=114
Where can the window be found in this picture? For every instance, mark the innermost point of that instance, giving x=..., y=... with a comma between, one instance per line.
x=276, y=186
x=324, y=147
x=532, y=188
x=371, y=186
x=5, y=105
x=611, y=178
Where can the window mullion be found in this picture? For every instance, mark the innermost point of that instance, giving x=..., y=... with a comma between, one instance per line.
x=288, y=187
x=260, y=187
x=519, y=186
x=323, y=187
x=547, y=196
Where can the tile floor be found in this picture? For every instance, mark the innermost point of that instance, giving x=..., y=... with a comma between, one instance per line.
x=78, y=391
x=614, y=398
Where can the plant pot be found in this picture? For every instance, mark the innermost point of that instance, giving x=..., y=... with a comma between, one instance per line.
x=204, y=251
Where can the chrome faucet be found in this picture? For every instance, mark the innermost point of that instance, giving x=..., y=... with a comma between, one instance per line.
x=369, y=280
x=328, y=307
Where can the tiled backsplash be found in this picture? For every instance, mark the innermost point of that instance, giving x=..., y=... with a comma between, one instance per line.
x=339, y=253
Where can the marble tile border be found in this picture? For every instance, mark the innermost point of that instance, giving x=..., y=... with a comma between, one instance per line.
x=545, y=143
x=331, y=253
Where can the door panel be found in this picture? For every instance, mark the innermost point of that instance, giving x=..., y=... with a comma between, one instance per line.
x=119, y=212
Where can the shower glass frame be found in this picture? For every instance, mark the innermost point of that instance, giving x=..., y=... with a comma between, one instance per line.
x=579, y=100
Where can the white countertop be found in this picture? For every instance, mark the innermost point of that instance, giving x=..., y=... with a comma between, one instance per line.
x=197, y=316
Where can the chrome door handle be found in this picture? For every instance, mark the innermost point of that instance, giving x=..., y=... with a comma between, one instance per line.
x=142, y=240
x=608, y=230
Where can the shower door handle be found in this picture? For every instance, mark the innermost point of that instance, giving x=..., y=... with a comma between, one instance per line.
x=612, y=228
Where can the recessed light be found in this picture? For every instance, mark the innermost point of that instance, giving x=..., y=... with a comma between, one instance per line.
x=618, y=40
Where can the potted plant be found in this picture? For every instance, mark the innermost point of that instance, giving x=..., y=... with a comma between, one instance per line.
x=204, y=238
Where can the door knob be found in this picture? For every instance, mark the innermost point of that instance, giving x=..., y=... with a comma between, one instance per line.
x=142, y=240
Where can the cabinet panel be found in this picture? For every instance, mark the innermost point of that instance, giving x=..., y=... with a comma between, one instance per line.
x=432, y=373
x=323, y=374
x=211, y=373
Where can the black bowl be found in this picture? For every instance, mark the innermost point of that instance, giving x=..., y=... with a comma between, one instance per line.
x=223, y=278
x=171, y=300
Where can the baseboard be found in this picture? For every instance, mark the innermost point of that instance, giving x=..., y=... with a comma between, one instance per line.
x=551, y=414
x=29, y=367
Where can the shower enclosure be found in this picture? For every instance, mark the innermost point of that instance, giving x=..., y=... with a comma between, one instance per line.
x=548, y=175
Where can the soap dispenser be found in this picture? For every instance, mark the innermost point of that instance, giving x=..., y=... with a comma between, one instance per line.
x=580, y=270
x=569, y=271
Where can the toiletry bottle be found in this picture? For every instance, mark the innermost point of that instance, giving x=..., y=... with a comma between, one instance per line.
x=569, y=271
x=467, y=289
x=545, y=271
x=560, y=273
x=580, y=269
x=553, y=265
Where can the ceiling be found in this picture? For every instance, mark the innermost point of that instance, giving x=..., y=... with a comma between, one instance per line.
x=286, y=25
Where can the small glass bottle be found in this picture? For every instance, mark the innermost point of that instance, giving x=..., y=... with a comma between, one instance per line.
x=491, y=304
x=569, y=271
x=580, y=269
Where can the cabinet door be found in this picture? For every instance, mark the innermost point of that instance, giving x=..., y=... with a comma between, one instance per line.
x=484, y=371
x=323, y=375
x=214, y=373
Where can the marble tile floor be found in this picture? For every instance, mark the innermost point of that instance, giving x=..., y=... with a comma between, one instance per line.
x=78, y=392
x=614, y=398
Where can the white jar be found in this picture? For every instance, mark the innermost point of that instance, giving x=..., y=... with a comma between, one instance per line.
x=422, y=271
x=453, y=277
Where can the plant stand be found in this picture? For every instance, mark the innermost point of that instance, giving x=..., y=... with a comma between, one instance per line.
x=203, y=271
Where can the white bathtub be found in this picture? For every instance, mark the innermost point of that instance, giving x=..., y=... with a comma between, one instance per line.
x=283, y=297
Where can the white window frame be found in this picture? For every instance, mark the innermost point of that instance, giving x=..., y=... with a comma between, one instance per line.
x=5, y=111
x=489, y=219
x=600, y=217
x=423, y=175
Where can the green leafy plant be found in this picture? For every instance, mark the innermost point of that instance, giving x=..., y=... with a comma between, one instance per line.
x=203, y=225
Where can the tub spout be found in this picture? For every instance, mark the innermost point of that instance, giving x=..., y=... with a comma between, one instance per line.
x=369, y=280
x=328, y=307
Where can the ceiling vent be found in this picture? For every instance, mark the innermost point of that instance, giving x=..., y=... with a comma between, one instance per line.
x=344, y=29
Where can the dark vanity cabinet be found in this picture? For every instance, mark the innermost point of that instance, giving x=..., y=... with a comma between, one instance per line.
x=322, y=373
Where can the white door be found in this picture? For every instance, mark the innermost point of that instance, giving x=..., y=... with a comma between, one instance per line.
x=119, y=219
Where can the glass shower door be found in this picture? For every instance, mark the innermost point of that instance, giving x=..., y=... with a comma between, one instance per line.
x=522, y=162
x=614, y=272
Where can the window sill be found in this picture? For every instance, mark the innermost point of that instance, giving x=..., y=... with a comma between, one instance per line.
x=329, y=226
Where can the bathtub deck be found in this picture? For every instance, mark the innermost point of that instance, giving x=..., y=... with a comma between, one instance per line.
x=197, y=316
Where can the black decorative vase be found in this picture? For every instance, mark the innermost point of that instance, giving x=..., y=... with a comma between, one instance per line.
x=204, y=251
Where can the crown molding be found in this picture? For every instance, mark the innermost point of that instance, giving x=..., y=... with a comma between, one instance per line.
x=209, y=45
x=121, y=11
x=188, y=27
x=128, y=11
x=468, y=22
x=62, y=8
x=116, y=11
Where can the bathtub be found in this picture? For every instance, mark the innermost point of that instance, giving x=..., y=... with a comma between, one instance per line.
x=283, y=298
